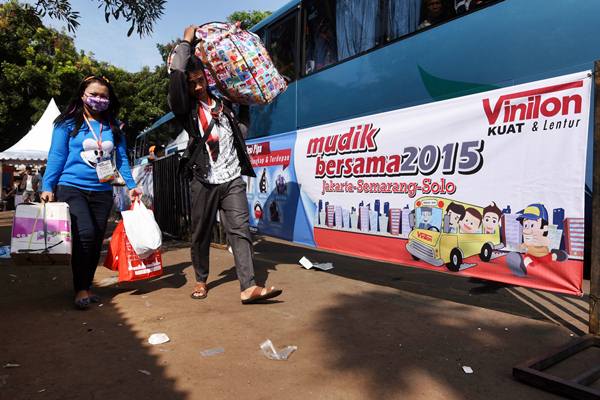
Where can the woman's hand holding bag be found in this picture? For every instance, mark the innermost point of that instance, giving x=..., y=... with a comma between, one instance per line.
x=141, y=229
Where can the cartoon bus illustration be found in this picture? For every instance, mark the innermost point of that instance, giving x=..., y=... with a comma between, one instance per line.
x=447, y=231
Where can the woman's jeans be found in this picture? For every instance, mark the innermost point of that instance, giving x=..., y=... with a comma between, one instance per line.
x=89, y=211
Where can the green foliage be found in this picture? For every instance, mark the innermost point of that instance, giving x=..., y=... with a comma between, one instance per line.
x=38, y=63
x=142, y=14
x=248, y=18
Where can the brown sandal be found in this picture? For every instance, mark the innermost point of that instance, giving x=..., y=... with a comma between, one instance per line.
x=257, y=296
x=200, y=291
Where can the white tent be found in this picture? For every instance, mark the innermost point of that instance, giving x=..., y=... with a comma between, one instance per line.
x=33, y=147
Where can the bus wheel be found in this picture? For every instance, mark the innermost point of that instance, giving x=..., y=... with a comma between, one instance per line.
x=455, y=260
x=486, y=252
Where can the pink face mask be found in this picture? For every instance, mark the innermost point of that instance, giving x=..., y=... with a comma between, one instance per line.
x=96, y=103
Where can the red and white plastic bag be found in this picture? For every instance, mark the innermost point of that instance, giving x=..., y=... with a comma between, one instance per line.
x=123, y=258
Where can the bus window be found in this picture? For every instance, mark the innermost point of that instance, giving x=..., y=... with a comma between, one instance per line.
x=282, y=47
x=429, y=218
x=455, y=212
x=402, y=17
x=464, y=6
x=338, y=29
x=262, y=35
x=320, y=44
x=435, y=12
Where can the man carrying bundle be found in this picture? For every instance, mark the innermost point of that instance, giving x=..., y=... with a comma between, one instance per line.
x=214, y=160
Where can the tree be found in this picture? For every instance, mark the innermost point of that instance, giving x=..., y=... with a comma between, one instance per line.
x=142, y=14
x=39, y=63
x=248, y=18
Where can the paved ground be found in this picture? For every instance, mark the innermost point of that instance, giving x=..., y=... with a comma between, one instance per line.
x=365, y=330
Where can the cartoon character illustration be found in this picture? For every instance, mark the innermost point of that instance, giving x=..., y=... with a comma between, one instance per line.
x=454, y=233
x=426, y=214
x=536, y=244
x=263, y=181
x=454, y=213
x=491, y=218
x=92, y=154
x=471, y=222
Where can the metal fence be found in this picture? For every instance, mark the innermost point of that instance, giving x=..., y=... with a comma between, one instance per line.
x=172, y=203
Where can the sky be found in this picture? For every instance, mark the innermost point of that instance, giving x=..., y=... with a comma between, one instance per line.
x=109, y=42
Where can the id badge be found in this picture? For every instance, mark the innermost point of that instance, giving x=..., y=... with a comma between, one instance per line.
x=105, y=171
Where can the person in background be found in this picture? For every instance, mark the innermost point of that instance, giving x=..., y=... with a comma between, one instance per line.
x=323, y=51
x=216, y=159
x=160, y=151
x=464, y=6
x=151, y=155
x=434, y=12
x=38, y=187
x=8, y=198
x=79, y=172
x=29, y=185
x=17, y=188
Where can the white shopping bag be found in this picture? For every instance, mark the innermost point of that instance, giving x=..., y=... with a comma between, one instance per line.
x=141, y=229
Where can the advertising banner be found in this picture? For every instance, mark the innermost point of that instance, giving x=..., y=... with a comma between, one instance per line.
x=489, y=185
x=142, y=175
x=274, y=195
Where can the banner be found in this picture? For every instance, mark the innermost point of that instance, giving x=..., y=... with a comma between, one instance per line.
x=489, y=185
x=142, y=175
x=274, y=195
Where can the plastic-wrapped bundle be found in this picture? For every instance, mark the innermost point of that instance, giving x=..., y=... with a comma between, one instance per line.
x=238, y=63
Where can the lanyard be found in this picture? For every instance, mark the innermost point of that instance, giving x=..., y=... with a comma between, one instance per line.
x=97, y=137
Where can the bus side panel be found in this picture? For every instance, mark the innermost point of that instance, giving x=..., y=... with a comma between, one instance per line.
x=470, y=244
x=448, y=242
x=277, y=117
x=511, y=42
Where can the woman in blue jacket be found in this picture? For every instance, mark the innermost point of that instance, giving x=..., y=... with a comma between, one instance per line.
x=80, y=170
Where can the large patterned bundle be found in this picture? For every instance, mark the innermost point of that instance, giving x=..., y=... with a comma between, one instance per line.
x=240, y=65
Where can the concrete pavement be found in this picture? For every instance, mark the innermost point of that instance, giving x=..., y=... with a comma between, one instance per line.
x=365, y=330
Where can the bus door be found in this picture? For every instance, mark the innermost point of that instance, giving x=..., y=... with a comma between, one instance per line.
x=448, y=240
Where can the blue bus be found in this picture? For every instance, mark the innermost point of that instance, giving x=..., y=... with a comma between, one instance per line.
x=348, y=58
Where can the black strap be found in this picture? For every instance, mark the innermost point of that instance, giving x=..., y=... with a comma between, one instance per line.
x=209, y=129
x=41, y=251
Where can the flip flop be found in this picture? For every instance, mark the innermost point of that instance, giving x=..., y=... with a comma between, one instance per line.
x=82, y=304
x=200, y=294
x=95, y=298
x=256, y=295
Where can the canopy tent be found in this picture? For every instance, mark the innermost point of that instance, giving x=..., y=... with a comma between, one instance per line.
x=33, y=148
x=164, y=119
x=143, y=140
